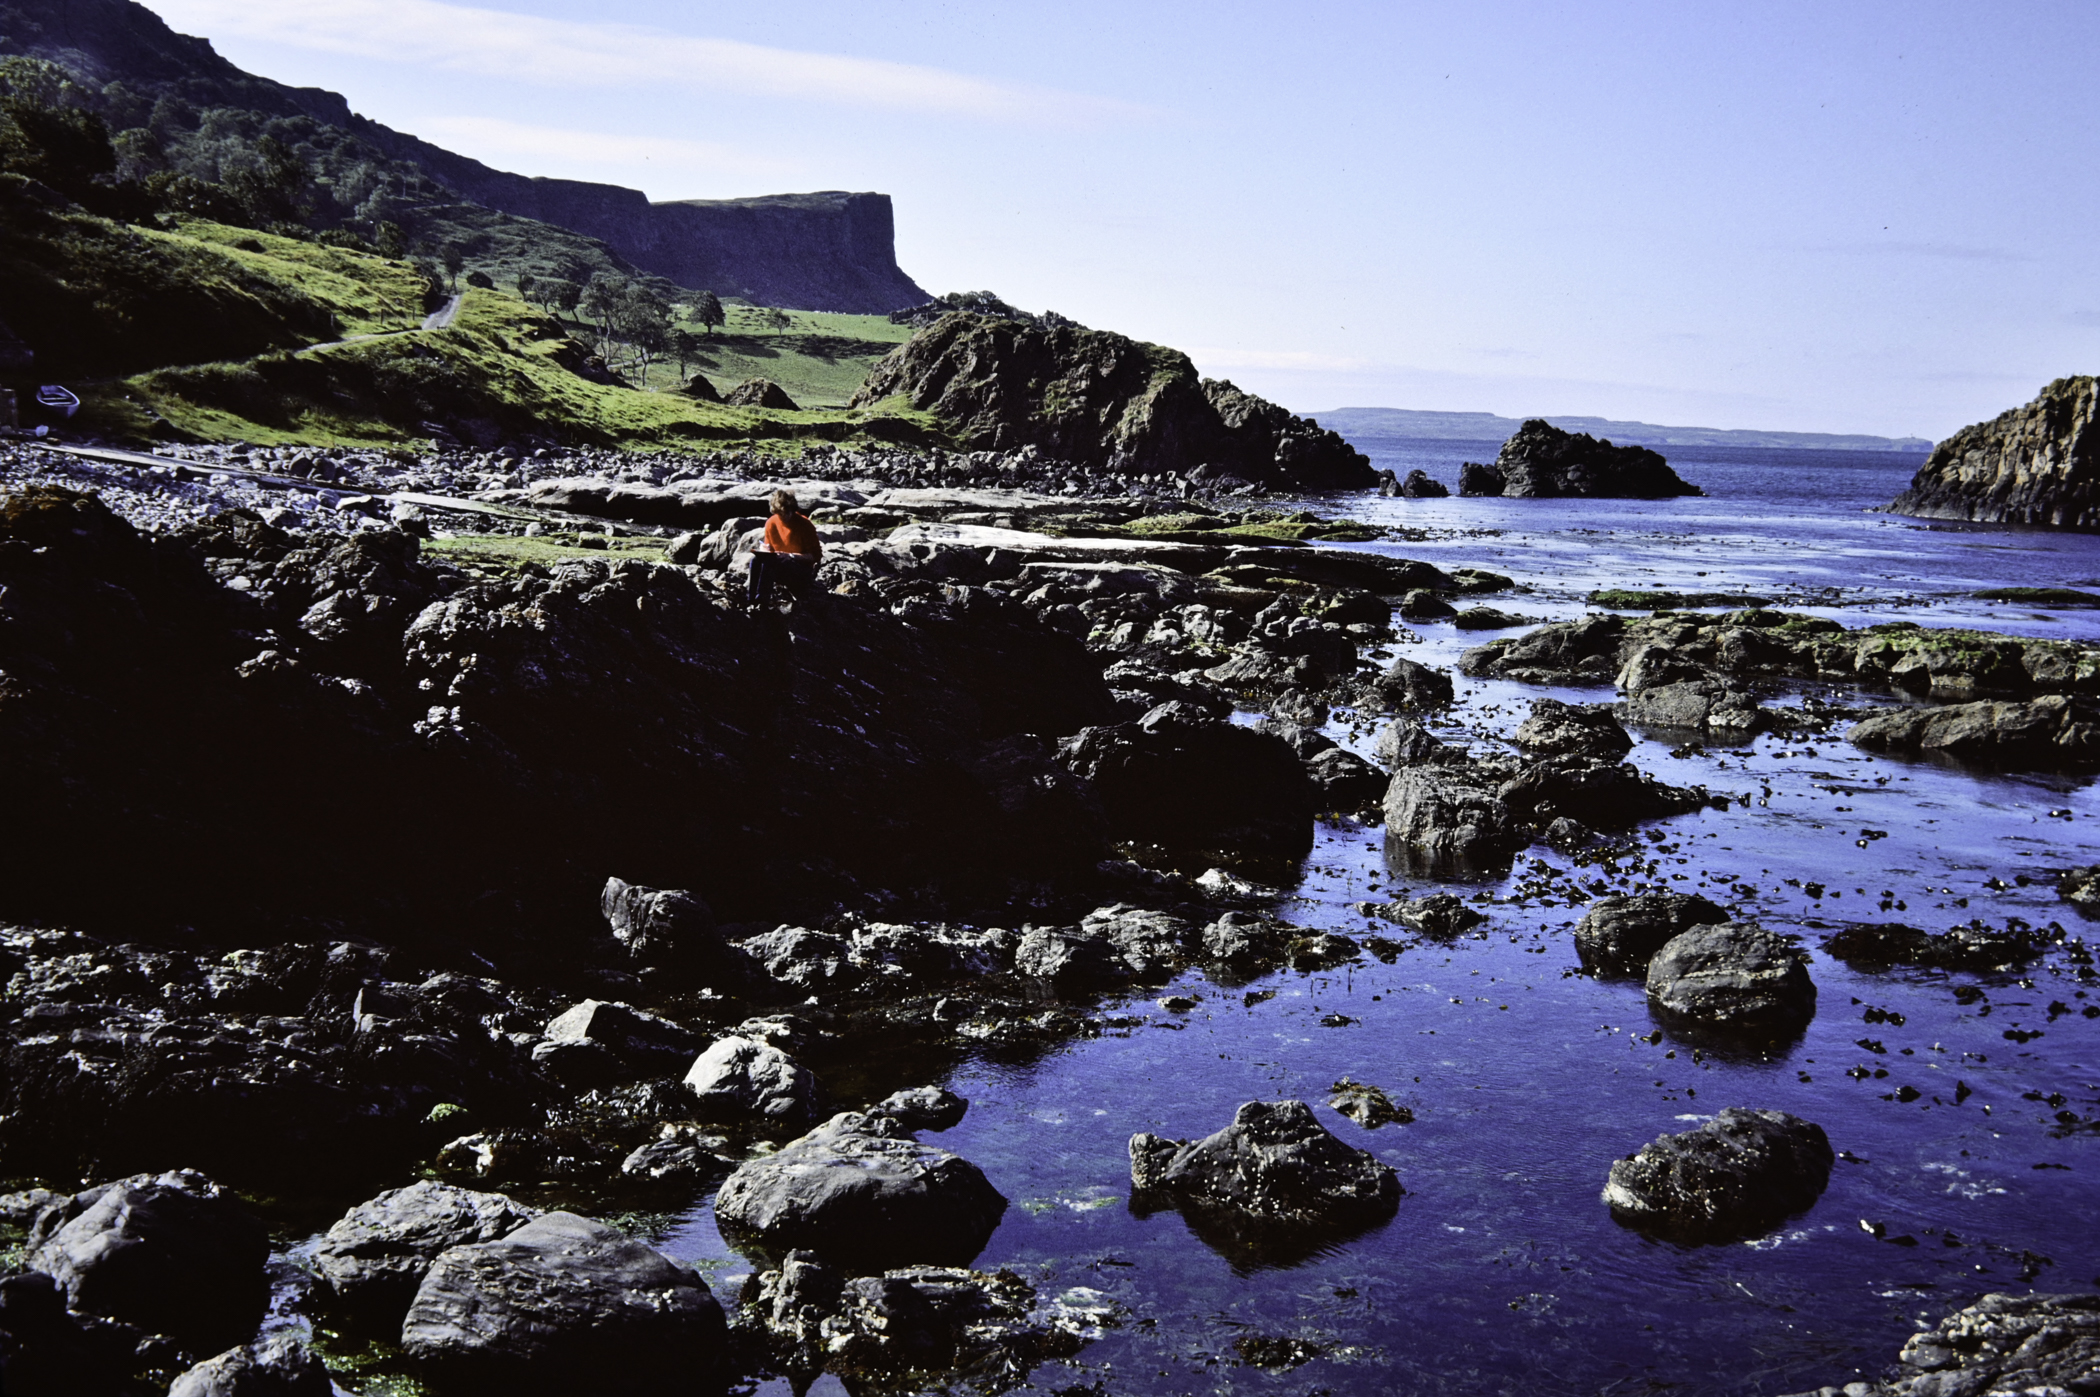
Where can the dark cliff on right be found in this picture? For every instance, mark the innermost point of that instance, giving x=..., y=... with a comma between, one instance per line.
x=1543, y=462
x=2038, y=464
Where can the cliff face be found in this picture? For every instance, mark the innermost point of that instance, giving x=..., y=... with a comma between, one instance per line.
x=824, y=251
x=2038, y=464
x=1104, y=399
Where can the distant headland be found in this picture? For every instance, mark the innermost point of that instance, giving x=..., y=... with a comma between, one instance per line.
x=1359, y=422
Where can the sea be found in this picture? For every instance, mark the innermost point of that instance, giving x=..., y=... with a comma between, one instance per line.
x=1965, y=1107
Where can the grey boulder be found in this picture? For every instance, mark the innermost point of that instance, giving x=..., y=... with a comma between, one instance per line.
x=2001, y=1344
x=1449, y=819
x=740, y=1078
x=859, y=1192
x=279, y=1367
x=563, y=1305
x=1620, y=934
x=1557, y=729
x=923, y=1108
x=171, y=1253
x=1732, y=976
x=601, y=1041
x=1739, y=1174
x=375, y=1255
x=2053, y=730
x=1070, y=958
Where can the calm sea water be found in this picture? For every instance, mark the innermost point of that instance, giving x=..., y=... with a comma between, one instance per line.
x=1504, y=1272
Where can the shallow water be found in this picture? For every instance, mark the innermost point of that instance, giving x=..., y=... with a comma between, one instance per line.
x=1503, y=1271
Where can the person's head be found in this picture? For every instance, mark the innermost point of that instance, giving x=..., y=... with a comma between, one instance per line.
x=782, y=503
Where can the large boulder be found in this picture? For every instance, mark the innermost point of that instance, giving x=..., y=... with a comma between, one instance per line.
x=1732, y=976
x=2030, y=1344
x=1273, y=1177
x=599, y=1041
x=2038, y=465
x=279, y=1367
x=1100, y=399
x=1739, y=1174
x=563, y=1305
x=859, y=1192
x=171, y=1253
x=1563, y=652
x=740, y=1078
x=1710, y=706
x=2047, y=732
x=1619, y=934
x=1181, y=778
x=759, y=392
x=1557, y=729
x=1411, y=684
x=1543, y=462
x=1449, y=818
x=375, y=1255
x=1601, y=794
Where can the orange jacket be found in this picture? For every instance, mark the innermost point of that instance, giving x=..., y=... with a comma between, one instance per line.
x=793, y=535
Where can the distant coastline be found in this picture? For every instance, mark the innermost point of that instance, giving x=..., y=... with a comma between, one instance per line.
x=1356, y=422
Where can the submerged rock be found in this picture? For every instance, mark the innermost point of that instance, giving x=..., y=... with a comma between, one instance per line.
x=375, y=1255
x=2032, y=1344
x=923, y=1108
x=279, y=1367
x=2036, y=465
x=1977, y=946
x=1620, y=934
x=860, y=1193
x=1739, y=1174
x=2081, y=888
x=1273, y=1179
x=563, y=1305
x=2053, y=730
x=1734, y=976
x=171, y=1253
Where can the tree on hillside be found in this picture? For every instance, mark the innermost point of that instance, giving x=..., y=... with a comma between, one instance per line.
x=272, y=189
x=601, y=302
x=455, y=259
x=684, y=348
x=44, y=137
x=707, y=309
x=389, y=241
x=643, y=320
x=527, y=284
x=775, y=318
x=559, y=294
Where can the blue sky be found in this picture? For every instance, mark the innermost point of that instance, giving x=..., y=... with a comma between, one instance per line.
x=1866, y=216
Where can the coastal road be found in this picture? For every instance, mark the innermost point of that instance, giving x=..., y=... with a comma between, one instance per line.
x=439, y=319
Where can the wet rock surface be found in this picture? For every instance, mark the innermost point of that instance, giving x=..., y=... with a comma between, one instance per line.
x=1620, y=934
x=1542, y=461
x=2053, y=730
x=563, y=1304
x=170, y=1253
x=1269, y=1182
x=1732, y=976
x=2036, y=1343
x=375, y=1255
x=1737, y=1175
x=281, y=1367
x=859, y=1192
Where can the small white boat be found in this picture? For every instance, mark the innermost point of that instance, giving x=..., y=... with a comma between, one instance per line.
x=53, y=397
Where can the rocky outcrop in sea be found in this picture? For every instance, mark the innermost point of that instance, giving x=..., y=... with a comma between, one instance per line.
x=2038, y=464
x=1543, y=462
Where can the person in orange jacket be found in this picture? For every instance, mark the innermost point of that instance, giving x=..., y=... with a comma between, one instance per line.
x=789, y=551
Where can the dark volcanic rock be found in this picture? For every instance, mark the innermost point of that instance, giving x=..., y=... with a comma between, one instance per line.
x=374, y=1256
x=45, y=1351
x=1577, y=652
x=2081, y=888
x=1600, y=794
x=859, y=1192
x=2050, y=731
x=1410, y=684
x=2000, y=1344
x=279, y=1367
x=563, y=1305
x=669, y=927
x=1099, y=399
x=1732, y=976
x=1557, y=729
x=1449, y=818
x=1405, y=742
x=1619, y=935
x=171, y=1253
x=1347, y=782
x=1419, y=485
x=1542, y=462
x=601, y=1041
x=2038, y=464
x=1977, y=946
x=1705, y=705
x=1181, y=778
x=1275, y=1170
x=1737, y=1175
x=923, y=1108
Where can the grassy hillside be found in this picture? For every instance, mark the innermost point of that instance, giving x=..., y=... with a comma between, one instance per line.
x=820, y=357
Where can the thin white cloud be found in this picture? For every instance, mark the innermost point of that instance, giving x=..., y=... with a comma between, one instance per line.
x=569, y=53
x=492, y=137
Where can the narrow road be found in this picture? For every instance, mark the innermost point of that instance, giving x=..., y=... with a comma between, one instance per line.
x=441, y=318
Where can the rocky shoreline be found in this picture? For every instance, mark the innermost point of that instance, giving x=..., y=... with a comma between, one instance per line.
x=583, y=871
x=2036, y=465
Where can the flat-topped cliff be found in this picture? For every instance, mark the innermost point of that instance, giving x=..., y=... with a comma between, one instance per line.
x=2038, y=464
x=830, y=250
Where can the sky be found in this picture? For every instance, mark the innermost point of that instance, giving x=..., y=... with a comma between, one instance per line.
x=1856, y=217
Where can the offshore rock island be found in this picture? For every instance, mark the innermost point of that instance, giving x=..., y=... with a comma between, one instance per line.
x=2036, y=465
